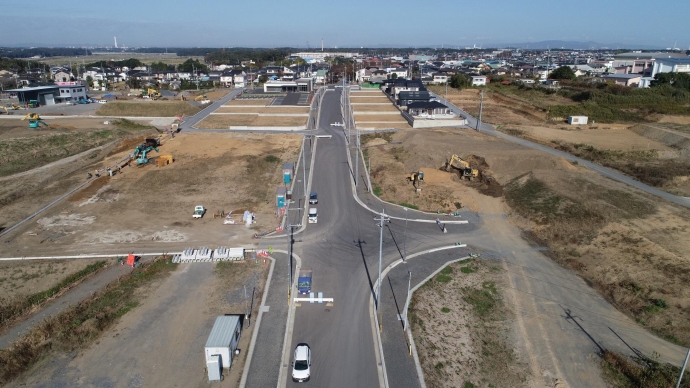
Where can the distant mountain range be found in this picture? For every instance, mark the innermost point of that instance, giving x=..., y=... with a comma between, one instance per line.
x=574, y=45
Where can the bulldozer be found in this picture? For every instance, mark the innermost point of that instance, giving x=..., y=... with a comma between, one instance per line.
x=416, y=178
x=34, y=120
x=466, y=171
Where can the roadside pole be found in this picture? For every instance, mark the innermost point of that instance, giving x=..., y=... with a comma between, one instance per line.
x=405, y=240
x=481, y=104
x=407, y=301
x=685, y=363
x=381, y=220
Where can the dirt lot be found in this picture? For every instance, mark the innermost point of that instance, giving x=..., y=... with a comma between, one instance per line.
x=462, y=309
x=254, y=102
x=628, y=246
x=395, y=116
x=270, y=110
x=368, y=100
x=384, y=125
x=21, y=278
x=174, y=320
x=147, y=205
x=374, y=108
x=148, y=108
x=224, y=121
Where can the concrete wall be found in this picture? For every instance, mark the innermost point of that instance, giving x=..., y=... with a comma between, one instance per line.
x=438, y=123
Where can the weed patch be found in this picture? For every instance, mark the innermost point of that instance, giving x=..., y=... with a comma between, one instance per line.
x=407, y=205
x=443, y=278
x=624, y=372
x=79, y=325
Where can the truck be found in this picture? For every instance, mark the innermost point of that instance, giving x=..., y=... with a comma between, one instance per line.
x=199, y=211
x=304, y=282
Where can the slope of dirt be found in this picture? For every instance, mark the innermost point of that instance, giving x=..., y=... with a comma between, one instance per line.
x=630, y=247
x=148, y=109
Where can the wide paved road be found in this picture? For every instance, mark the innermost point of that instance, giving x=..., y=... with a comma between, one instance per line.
x=342, y=250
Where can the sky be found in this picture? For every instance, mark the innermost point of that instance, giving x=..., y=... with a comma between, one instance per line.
x=351, y=23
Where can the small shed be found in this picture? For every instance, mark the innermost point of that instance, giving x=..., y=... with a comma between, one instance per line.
x=281, y=196
x=577, y=120
x=288, y=172
x=222, y=343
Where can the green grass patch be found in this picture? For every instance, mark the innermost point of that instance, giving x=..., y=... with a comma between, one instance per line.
x=20, y=306
x=271, y=159
x=443, y=278
x=378, y=191
x=130, y=125
x=76, y=327
x=484, y=301
x=445, y=310
x=447, y=270
x=467, y=269
x=408, y=205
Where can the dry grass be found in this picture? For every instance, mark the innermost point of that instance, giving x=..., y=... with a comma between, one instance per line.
x=378, y=117
x=269, y=110
x=257, y=102
x=374, y=108
x=223, y=121
x=624, y=372
x=81, y=324
x=461, y=329
x=274, y=121
x=147, y=109
x=367, y=94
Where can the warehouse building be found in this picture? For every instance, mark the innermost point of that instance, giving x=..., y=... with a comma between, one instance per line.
x=52, y=94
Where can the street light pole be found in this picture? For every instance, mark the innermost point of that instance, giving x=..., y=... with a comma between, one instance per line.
x=381, y=220
x=405, y=240
x=481, y=104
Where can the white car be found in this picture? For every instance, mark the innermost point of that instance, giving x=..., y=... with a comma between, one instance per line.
x=102, y=101
x=301, y=367
x=313, y=216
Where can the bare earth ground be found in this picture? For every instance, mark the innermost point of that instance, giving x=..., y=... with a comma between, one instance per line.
x=147, y=206
x=270, y=110
x=257, y=102
x=395, y=116
x=369, y=100
x=635, y=258
x=374, y=108
x=22, y=278
x=379, y=125
x=148, y=108
x=368, y=93
x=224, y=121
x=161, y=342
x=477, y=347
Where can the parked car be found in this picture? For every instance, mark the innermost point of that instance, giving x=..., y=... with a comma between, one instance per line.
x=301, y=367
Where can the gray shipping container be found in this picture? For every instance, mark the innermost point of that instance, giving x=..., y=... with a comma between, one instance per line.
x=223, y=340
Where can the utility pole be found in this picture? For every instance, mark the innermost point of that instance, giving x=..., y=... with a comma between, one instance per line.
x=481, y=104
x=405, y=240
x=685, y=363
x=357, y=158
x=288, y=233
x=304, y=170
x=407, y=301
x=381, y=220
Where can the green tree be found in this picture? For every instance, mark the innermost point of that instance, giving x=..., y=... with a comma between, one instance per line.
x=459, y=81
x=563, y=72
x=160, y=66
x=394, y=76
x=133, y=83
x=677, y=80
x=89, y=81
x=263, y=79
x=191, y=64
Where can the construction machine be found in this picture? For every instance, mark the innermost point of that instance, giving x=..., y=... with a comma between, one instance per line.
x=17, y=107
x=416, y=178
x=33, y=103
x=6, y=110
x=199, y=98
x=34, y=120
x=466, y=171
x=143, y=149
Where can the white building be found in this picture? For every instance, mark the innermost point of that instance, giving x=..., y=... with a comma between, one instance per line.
x=320, y=56
x=478, y=80
x=71, y=91
x=670, y=65
x=221, y=345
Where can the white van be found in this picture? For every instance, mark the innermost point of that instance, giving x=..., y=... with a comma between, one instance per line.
x=312, y=215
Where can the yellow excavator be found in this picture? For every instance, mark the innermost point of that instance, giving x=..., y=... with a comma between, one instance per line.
x=200, y=97
x=34, y=120
x=466, y=171
x=6, y=110
x=416, y=178
x=153, y=93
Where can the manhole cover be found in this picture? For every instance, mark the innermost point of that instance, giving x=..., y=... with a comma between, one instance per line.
x=327, y=310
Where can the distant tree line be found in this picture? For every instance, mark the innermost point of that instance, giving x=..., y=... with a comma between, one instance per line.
x=11, y=52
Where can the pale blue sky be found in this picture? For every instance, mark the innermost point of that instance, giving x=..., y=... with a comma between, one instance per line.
x=351, y=23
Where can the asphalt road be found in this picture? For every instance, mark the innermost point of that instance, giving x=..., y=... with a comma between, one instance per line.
x=342, y=250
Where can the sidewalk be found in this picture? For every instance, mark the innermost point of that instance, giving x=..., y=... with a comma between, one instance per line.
x=400, y=366
x=265, y=363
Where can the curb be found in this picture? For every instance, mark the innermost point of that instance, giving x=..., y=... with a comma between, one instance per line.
x=282, y=379
x=372, y=312
x=252, y=343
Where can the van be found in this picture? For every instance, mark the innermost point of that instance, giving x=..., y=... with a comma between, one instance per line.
x=312, y=215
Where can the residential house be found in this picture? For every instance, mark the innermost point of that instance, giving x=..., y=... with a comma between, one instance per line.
x=407, y=97
x=439, y=78
x=624, y=79
x=62, y=75
x=429, y=108
x=395, y=86
x=479, y=80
